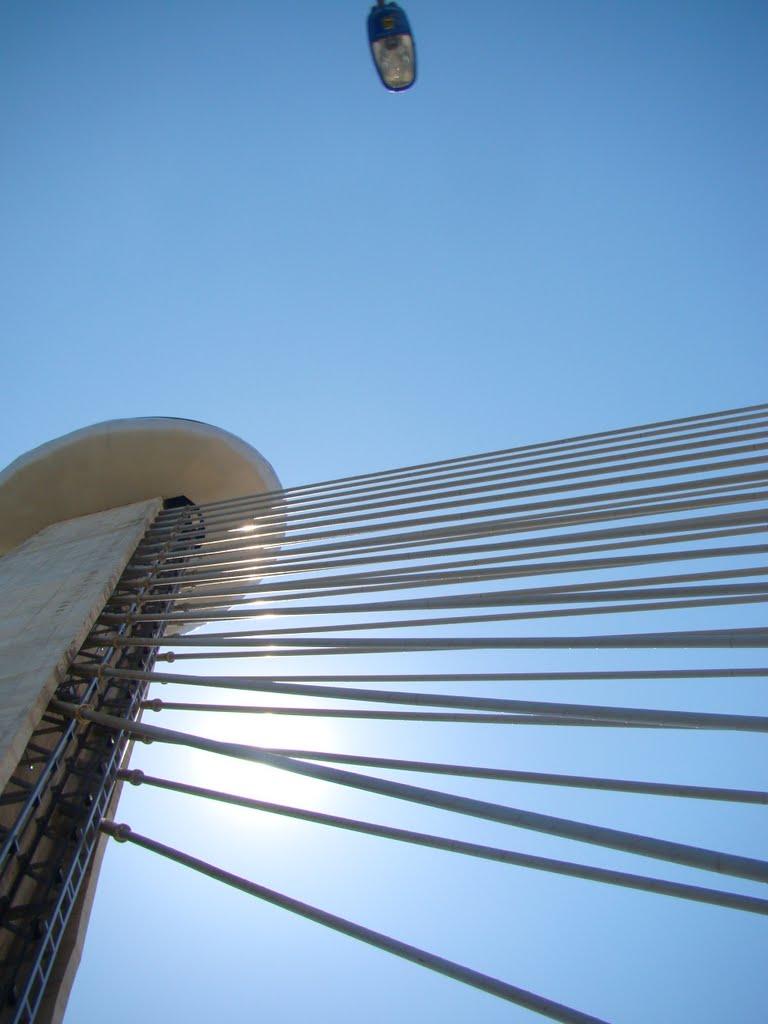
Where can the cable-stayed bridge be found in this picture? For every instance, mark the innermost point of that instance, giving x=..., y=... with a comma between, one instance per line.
x=482, y=620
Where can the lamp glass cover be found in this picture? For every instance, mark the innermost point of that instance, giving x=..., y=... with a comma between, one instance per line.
x=392, y=46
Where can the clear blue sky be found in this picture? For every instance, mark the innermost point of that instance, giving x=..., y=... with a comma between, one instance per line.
x=215, y=211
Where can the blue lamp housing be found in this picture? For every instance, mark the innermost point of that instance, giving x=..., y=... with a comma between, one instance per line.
x=394, y=54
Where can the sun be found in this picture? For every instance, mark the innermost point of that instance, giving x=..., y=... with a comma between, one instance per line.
x=234, y=776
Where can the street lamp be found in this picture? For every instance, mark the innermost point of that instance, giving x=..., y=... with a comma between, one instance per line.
x=394, y=54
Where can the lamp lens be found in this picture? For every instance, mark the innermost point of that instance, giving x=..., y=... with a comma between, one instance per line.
x=395, y=60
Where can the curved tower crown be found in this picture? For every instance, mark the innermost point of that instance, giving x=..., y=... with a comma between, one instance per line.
x=120, y=462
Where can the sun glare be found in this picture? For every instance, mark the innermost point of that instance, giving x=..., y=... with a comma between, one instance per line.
x=232, y=775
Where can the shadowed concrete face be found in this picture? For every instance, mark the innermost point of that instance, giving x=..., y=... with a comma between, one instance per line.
x=52, y=589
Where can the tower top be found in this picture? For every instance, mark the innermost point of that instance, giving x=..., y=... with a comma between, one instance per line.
x=120, y=462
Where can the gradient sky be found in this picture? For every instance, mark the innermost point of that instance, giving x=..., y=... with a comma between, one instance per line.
x=215, y=211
